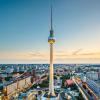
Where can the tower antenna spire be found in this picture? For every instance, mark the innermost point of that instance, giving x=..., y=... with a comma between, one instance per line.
x=51, y=17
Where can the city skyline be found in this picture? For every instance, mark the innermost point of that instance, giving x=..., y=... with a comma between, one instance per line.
x=25, y=27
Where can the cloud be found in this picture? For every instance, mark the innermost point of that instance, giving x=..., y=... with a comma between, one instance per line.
x=36, y=54
x=78, y=55
x=90, y=53
x=68, y=54
x=77, y=52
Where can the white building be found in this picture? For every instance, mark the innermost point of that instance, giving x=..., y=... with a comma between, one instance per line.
x=9, y=70
x=92, y=75
x=10, y=88
x=57, y=83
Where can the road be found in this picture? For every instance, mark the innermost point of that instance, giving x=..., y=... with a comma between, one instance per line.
x=84, y=95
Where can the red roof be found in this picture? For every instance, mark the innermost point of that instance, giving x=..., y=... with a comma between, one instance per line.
x=69, y=82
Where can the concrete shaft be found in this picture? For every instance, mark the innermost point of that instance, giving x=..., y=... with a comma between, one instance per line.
x=51, y=78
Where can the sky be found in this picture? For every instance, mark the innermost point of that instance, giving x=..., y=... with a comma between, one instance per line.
x=25, y=26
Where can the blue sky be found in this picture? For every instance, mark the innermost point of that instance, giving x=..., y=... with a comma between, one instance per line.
x=25, y=25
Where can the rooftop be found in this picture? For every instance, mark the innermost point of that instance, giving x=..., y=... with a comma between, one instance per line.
x=98, y=82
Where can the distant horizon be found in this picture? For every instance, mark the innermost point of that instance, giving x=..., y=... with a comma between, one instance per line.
x=25, y=26
x=48, y=63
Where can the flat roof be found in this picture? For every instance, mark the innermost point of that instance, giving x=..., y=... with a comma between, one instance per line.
x=98, y=82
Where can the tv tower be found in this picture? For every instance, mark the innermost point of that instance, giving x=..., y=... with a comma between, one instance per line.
x=51, y=41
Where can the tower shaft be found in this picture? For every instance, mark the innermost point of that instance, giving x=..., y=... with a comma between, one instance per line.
x=51, y=80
